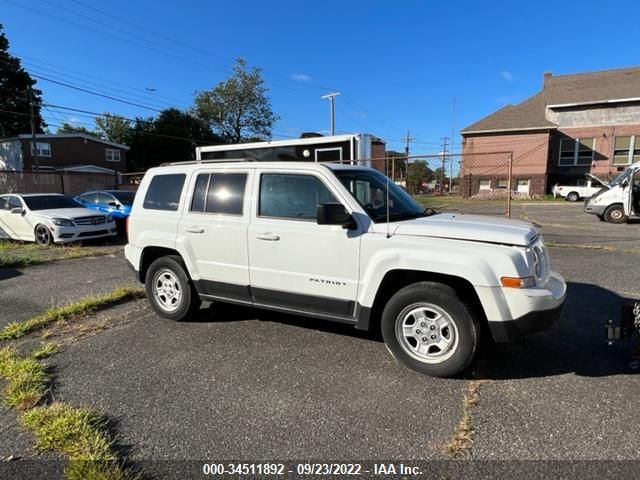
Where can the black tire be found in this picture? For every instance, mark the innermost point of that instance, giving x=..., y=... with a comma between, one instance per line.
x=171, y=269
x=573, y=197
x=601, y=217
x=43, y=235
x=615, y=214
x=464, y=332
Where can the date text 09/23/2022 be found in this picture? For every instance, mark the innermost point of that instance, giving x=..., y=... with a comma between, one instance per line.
x=309, y=469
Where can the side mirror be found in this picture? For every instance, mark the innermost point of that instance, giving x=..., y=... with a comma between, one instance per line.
x=335, y=214
x=17, y=210
x=625, y=183
x=113, y=204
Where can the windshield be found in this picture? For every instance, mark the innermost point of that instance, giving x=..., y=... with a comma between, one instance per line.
x=369, y=188
x=125, y=198
x=621, y=177
x=46, y=202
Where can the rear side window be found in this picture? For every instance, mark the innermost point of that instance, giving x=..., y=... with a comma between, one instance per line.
x=164, y=192
x=292, y=196
x=219, y=193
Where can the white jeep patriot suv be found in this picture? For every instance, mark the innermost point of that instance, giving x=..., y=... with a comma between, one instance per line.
x=341, y=243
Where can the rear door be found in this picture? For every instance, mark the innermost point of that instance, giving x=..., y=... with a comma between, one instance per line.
x=295, y=263
x=213, y=229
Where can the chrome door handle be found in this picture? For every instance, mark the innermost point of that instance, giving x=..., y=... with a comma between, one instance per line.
x=270, y=237
x=194, y=229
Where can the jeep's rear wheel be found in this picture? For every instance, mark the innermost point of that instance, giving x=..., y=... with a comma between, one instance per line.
x=170, y=290
x=427, y=328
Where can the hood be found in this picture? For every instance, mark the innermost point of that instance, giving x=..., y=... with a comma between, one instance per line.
x=68, y=213
x=476, y=228
x=597, y=181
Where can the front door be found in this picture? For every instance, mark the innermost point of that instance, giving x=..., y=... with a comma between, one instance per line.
x=294, y=262
x=214, y=230
x=16, y=224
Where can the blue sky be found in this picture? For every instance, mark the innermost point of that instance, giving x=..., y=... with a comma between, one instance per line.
x=398, y=64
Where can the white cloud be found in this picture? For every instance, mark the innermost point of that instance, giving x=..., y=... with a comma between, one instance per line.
x=508, y=76
x=301, y=77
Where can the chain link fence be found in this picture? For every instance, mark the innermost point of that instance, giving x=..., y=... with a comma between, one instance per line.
x=483, y=184
x=68, y=183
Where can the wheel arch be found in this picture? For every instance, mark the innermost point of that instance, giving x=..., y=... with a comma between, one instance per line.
x=396, y=279
x=149, y=255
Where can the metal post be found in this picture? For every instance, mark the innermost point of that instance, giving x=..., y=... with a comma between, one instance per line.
x=33, y=130
x=509, y=185
x=393, y=168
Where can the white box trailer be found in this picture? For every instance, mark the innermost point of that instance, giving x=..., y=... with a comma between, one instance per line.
x=361, y=148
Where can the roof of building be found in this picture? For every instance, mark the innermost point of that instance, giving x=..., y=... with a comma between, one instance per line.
x=602, y=86
x=27, y=136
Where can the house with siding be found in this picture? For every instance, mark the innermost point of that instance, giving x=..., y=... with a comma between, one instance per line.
x=67, y=152
x=578, y=123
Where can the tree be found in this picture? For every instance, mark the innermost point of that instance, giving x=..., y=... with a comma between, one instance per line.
x=113, y=128
x=67, y=127
x=15, y=101
x=172, y=136
x=418, y=173
x=396, y=164
x=237, y=108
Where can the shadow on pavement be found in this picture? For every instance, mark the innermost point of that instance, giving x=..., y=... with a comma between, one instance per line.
x=575, y=344
x=7, y=273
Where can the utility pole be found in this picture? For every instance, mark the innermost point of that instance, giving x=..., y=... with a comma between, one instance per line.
x=444, y=157
x=33, y=130
x=408, y=139
x=331, y=96
x=453, y=124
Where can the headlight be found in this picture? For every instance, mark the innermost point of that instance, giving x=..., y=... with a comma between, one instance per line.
x=109, y=219
x=62, y=222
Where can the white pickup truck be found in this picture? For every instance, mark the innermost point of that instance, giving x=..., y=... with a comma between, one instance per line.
x=341, y=243
x=573, y=193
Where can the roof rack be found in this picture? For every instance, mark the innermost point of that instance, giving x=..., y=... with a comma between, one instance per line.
x=213, y=160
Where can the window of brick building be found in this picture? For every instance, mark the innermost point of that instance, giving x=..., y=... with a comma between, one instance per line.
x=578, y=151
x=626, y=150
x=485, y=185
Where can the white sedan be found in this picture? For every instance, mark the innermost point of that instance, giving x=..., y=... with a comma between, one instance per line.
x=51, y=218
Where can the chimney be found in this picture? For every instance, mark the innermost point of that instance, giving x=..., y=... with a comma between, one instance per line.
x=545, y=79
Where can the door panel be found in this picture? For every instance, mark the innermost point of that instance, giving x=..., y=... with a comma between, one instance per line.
x=16, y=224
x=214, y=229
x=293, y=260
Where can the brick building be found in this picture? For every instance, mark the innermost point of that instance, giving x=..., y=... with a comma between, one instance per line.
x=73, y=152
x=579, y=123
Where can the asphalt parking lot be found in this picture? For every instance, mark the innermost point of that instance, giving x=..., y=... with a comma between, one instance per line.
x=240, y=384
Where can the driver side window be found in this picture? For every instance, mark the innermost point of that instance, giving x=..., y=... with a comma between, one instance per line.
x=292, y=196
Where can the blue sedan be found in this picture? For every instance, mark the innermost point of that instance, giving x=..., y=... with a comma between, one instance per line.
x=115, y=202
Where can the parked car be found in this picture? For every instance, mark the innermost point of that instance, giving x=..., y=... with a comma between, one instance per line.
x=115, y=202
x=573, y=193
x=619, y=200
x=51, y=218
x=340, y=243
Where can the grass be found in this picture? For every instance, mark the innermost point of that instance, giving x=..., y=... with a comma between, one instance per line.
x=65, y=312
x=79, y=433
x=26, y=379
x=17, y=260
x=462, y=438
x=18, y=254
x=454, y=200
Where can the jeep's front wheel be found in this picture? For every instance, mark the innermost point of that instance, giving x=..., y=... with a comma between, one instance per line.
x=427, y=328
x=170, y=290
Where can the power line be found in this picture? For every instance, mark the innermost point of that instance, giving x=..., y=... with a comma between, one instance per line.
x=95, y=93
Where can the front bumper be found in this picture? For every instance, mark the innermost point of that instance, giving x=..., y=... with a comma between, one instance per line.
x=595, y=209
x=535, y=310
x=78, y=233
